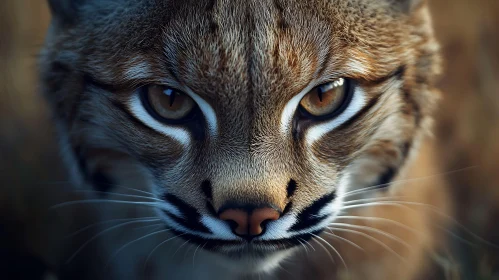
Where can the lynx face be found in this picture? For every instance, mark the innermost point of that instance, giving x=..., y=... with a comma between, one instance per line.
x=248, y=121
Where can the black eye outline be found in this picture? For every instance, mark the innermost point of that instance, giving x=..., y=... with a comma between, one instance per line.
x=192, y=116
x=349, y=88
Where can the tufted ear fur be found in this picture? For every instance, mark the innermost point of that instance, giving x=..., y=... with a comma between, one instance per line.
x=66, y=11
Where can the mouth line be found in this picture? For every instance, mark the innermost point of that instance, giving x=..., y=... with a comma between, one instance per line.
x=220, y=246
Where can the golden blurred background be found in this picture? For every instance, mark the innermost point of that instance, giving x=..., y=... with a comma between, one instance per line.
x=466, y=132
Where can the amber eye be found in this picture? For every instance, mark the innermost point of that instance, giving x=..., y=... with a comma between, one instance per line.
x=168, y=103
x=325, y=99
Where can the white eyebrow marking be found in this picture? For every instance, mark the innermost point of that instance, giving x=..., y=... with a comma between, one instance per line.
x=208, y=112
x=290, y=108
x=356, y=66
x=179, y=134
x=138, y=69
x=356, y=104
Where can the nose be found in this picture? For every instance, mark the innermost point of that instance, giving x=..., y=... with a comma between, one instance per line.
x=249, y=222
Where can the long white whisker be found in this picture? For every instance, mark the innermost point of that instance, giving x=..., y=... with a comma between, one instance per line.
x=303, y=245
x=92, y=201
x=334, y=249
x=372, y=199
x=370, y=238
x=430, y=207
x=158, y=246
x=377, y=219
x=371, y=229
x=154, y=226
x=308, y=243
x=103, y=232
x=180, y=247
x=121, y=194
x=347, y=241
x=109, y=221
x=195, y=251
x=325, y=249
x=131, y=242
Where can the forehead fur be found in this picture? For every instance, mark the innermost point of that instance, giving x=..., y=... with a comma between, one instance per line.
x=230, y=40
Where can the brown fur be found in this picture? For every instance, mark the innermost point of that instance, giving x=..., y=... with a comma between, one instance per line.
x=247, y=59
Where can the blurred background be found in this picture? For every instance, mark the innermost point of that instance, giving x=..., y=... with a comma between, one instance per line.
x=467, y=134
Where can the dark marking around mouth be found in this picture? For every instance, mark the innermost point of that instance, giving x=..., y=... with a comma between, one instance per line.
x=214, y=244
x=190, y=219
x=308, y=217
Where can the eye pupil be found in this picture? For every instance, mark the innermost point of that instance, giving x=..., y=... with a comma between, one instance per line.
x=325, y=99
x=167, y=104
x=172, y=99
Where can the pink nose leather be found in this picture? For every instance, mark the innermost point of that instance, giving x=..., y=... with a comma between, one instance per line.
x=249, y=223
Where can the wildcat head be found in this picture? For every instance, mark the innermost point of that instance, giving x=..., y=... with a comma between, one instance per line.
x=249, y=122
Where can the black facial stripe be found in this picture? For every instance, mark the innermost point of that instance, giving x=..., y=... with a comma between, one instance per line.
x=415, y=107
x=398, y=74
x=308, y=217
x=291, y=188
x=191, y=217
x=287, y=208
x=207, y=189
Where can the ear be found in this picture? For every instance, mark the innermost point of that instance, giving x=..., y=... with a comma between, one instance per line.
x=408, y=6
x=66, y=11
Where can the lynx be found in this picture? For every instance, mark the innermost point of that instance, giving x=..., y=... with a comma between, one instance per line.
x=260, y=138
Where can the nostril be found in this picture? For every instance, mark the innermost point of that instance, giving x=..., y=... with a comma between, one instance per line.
x=249, y=222
x=259, y=218
x=237, y=219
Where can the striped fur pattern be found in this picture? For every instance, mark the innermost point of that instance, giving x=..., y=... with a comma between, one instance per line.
x=246, y=64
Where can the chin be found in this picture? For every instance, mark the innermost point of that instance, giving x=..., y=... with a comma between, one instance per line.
x=251, y=259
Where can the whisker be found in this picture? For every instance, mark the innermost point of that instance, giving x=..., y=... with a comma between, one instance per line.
x=374, y=199
x=377, y=219
x=194, y=255
x=307, y=243
x=334, y=249
x=158, y=246
x=430, y=207
x=109, y=221
x=92, y=201
x=376, y=187
x=154, y=226
x=303, y=245
x=370, y=238
x=103, y=232
x=371, y=229
x=137, y=190
x=325, y=249
x=121, y=194
x=180, y=247
x=348, y=241
x=131, y=242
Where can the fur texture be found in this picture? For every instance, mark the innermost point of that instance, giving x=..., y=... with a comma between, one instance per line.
x=243, y=62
